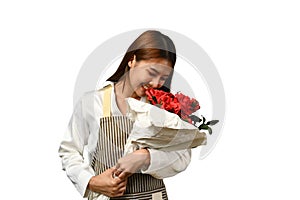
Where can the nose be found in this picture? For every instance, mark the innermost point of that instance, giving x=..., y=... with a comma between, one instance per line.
x=156, y=83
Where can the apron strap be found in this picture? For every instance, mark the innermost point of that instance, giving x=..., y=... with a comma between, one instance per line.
x=106, y=101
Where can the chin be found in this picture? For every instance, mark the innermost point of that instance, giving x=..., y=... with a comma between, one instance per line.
x=140, y=92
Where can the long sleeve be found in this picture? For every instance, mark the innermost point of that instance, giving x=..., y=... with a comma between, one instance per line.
x=71, y=150
x=164, y=164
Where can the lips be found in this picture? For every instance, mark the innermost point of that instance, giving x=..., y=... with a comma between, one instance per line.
x=146, y=86
x=143, y=88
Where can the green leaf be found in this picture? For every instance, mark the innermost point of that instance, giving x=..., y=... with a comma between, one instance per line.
x=203, y=119
x=212, y=122
x=209, y=130
x=195, y=118
x=200, y=127
x=203, y=126
x=154, y=98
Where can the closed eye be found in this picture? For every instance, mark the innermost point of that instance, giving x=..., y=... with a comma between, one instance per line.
x=152, y=73
x=164, y=78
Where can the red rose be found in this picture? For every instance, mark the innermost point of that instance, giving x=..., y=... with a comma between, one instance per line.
x=181, y=105
x=186, y=118
x=164, y=100
x=188, y=105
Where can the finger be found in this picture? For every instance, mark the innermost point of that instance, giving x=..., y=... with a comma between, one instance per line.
x=122, y=185
x=124, y=175
x=111, y=170
x=117, y=180
x=117, y=166
x=118, y=172
x=123, y=189
x=122, y=182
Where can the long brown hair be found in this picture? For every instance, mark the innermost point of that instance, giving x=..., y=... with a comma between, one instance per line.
x=149, y=45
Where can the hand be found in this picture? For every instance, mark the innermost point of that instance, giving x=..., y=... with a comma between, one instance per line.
x=106, y=184
x=131, y=163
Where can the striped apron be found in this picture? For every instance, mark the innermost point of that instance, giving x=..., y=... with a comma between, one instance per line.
x=113, y=134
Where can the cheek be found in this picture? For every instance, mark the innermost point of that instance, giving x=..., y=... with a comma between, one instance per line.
x=141, y=78
x=134, y=77
x=138, y=81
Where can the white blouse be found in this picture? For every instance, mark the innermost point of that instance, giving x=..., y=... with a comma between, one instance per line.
x=80, y=141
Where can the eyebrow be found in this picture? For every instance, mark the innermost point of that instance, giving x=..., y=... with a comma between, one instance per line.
x=153, y=69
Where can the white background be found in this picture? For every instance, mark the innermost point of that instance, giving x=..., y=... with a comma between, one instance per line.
x=254, y=45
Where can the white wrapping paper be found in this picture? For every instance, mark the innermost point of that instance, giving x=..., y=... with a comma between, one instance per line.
x=159, y=129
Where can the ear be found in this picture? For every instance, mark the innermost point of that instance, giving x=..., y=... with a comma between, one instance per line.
x=132, y=62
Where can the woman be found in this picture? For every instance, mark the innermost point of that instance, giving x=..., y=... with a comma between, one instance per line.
x=100, y=124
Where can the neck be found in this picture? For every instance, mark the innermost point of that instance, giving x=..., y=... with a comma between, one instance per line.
x=124, y=90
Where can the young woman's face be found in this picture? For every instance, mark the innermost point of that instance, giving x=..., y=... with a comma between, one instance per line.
x=148, y=73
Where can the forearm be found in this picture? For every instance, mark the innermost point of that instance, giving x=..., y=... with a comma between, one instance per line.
x=76, y=169
x=165, y=164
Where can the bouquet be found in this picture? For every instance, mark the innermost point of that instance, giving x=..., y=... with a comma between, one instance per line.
x=166, y=123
